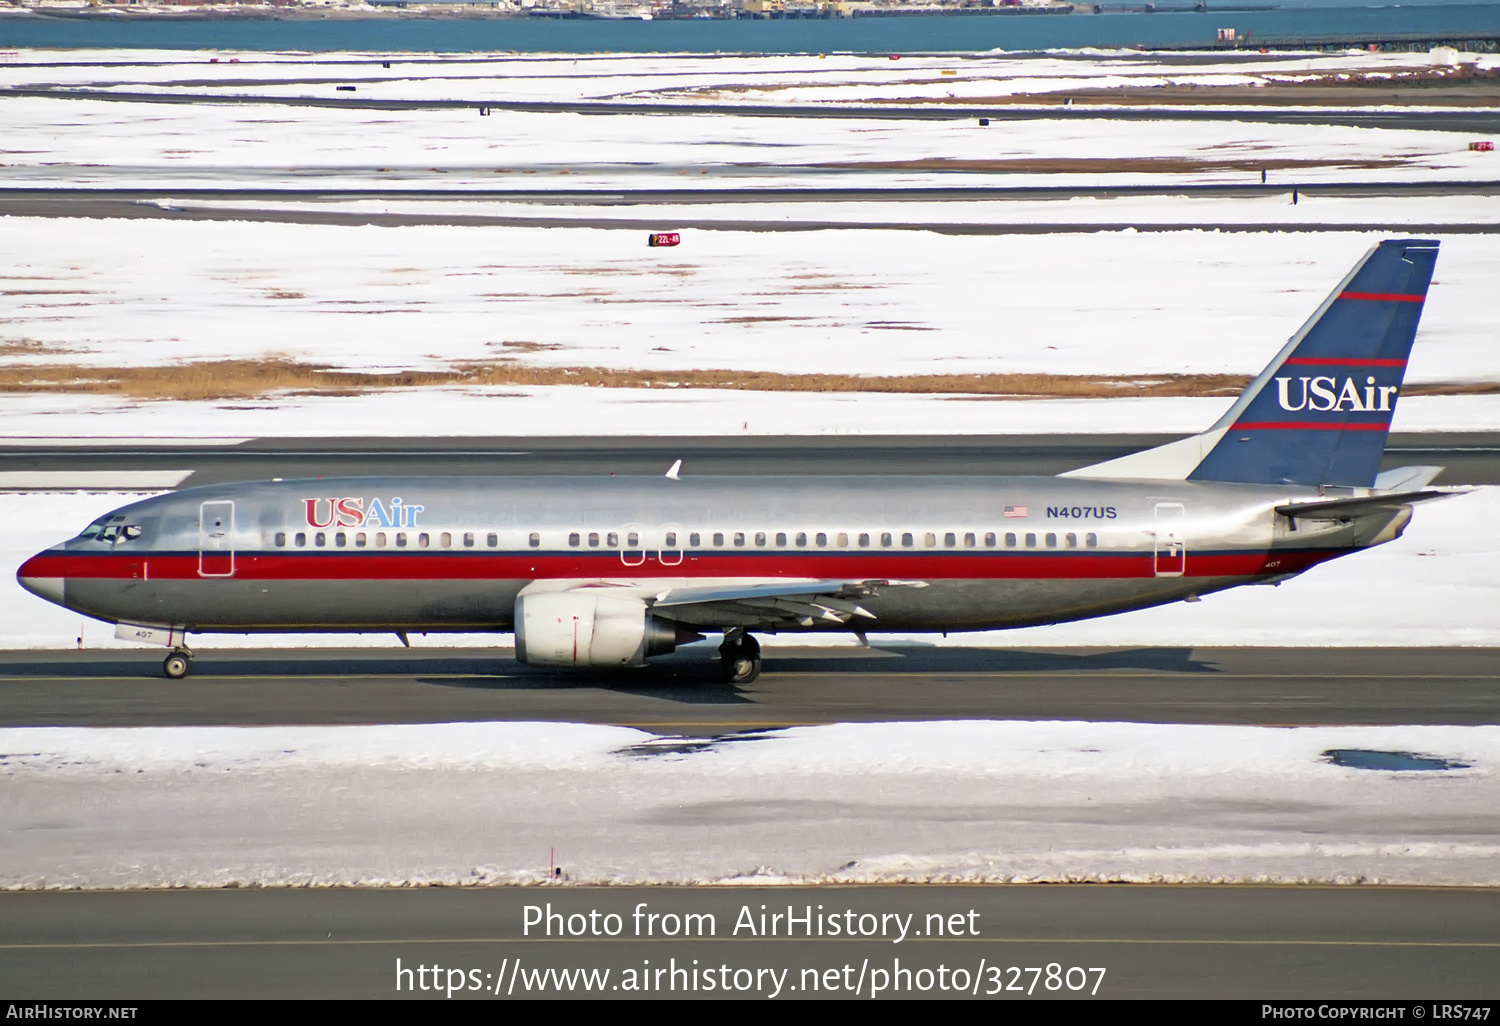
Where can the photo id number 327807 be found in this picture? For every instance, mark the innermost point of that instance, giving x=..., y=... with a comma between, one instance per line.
x=1054, y=978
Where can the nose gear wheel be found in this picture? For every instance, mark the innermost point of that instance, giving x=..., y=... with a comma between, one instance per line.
x=178, y=665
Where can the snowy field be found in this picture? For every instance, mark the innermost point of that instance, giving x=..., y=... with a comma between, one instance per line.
x=1437, y=585
x=121, y=143
x=121, y=293
x=51, y=142
x=479, y=803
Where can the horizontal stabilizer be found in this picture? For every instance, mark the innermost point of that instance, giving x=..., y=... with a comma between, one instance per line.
x=1406, y=479
x=1343, y=509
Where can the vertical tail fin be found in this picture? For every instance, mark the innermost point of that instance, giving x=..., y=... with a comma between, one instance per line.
x=1321, y=412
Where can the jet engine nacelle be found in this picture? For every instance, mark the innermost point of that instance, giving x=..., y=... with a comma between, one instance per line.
x=588, y=628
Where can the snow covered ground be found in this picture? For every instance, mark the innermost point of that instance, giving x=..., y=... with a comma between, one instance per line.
x=124, y=144
x=138, y=145
x=982, y=801
x=120, y=292
x=839, y=77
x=1437, y=585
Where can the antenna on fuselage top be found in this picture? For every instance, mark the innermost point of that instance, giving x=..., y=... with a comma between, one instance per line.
x=672, y=473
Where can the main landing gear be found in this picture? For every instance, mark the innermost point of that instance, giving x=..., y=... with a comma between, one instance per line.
x=178, y=665
x=739, y=657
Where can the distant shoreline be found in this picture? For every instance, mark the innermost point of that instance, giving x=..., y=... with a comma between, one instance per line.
x=463, y=12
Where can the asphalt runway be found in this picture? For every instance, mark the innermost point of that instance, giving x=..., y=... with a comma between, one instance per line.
x=1248, y=942
x=682, y=695
x=17, y=197
x=1481, y=120
x=606, y=207
x=136, y=211
x=1470, y=457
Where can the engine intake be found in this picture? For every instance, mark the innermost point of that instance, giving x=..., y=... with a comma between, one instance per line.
x=585, y=628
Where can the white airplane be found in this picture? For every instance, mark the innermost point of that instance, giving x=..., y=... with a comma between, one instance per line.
x=607, y=572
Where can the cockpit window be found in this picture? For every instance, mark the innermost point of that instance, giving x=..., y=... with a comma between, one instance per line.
x=111, y=530
x=96, y=528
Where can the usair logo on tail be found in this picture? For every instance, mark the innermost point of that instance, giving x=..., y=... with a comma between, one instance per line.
x=1325, y=395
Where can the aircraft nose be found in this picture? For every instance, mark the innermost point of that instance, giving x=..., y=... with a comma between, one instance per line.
x=40, y=579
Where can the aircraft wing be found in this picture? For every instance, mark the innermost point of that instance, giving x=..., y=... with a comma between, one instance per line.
x=772, y=603
x=1344, y=509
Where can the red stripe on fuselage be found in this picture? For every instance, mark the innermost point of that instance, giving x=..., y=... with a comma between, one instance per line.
x=352, y=566
x=1384, y=297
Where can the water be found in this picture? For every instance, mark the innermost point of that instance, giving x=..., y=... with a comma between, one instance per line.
x=1360, y=758
x=861, y=35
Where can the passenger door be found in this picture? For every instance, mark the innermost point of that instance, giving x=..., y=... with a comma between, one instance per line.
x=632, y=549
x=216, y=539
x=1171, y=539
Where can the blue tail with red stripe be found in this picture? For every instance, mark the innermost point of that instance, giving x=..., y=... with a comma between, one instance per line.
x=1320, y=413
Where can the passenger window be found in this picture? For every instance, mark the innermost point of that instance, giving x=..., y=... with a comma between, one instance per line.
x=929, y=539
x=1010, y=540
x=612, y=540
x=492, y=539
x=781, y=538
x=359, y=540
x=760, y=537
x=593, y=539
x=950, y=539
x=379, y=540
x=864, y=541
x=989, y=539
x=1071, y=540
x=718, y=538
x=1091, y=540
x=1051, y=540
x=671, y=539
x=969, y=541
x=422, y=540
x=281, y=539
x=885, y=539
x=468, y=539
x=1031, y=541
x=821, y=540
x=534, y=541
x=739, y=537
x=632, y=540
x=320, y=539
x=400, y=539
x=340, y=539
x=447, y=539
x=694, y=540
x=801, y=539
x=842, y=541
x=908, y=540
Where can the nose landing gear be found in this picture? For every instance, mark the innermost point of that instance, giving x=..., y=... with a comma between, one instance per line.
x=178, y=665
x=739, y=657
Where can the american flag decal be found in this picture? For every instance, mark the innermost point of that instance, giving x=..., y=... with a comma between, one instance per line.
x=1017, y=511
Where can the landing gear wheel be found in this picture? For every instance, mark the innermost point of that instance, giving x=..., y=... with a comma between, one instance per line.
x=739, y=658
x=178, y=665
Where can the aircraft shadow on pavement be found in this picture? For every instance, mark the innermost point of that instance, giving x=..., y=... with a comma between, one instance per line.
x=669, y=675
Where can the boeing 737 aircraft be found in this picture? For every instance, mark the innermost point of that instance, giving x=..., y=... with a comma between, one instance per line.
x=607, y=572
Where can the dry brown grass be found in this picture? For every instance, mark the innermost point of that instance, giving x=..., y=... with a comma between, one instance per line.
x=250, y=379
